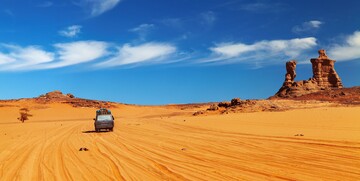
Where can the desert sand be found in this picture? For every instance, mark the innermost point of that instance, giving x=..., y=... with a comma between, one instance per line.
x=320, y=142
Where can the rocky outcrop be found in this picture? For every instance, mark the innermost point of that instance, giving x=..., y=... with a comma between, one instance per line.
x=56, y=95
x=59, y=97
x=237, y=105
x=324, y=77
x=236, y=102
x=324, y=72
x=349, y=96
x=290, y=73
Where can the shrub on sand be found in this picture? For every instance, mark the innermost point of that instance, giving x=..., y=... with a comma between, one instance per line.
x=24, y=115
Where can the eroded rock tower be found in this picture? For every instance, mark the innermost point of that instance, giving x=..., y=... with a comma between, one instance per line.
x=324, y=77
x=324, y=72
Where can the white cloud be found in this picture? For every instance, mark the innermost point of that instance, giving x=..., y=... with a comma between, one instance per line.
x=17, y=58
x=78, y=52
x=350, y=50
x=143, y=30
x=309, y=26
x=71, y=31
x=142, y=27
x=65, y=54
x=263, y=52
x=232, y=50
x=21, y=58
x=144, y=53
x=103, y=54
x=98, y=7
x=5, y=59
x=32, y=55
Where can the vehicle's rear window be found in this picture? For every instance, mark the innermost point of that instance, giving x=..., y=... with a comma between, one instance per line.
x=104, y=117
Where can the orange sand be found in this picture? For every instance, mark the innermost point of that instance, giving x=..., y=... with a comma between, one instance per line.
x=168, y=143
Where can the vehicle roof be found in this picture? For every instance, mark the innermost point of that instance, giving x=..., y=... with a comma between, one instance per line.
x=103, y=111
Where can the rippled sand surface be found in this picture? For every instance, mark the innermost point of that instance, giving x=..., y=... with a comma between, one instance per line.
x=168, y=143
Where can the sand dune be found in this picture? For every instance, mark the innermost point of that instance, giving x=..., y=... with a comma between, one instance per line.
x=168, y=143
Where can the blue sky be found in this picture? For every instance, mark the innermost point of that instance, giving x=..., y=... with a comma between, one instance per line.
x=180, y=51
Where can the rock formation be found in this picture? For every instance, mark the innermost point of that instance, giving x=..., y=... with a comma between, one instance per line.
x=324, y=77
x=56, y=95
x=59, y=97
x=324, y=72
x=290, y=73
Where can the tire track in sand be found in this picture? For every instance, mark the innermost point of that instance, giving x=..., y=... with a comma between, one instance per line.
x=163, y=150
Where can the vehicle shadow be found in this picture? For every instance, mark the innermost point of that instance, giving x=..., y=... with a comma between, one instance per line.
x=93, y=131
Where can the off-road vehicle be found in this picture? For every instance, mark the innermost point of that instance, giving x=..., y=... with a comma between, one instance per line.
x=104, y=120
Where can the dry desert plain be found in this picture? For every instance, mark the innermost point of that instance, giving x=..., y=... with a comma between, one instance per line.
x=315, y=141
